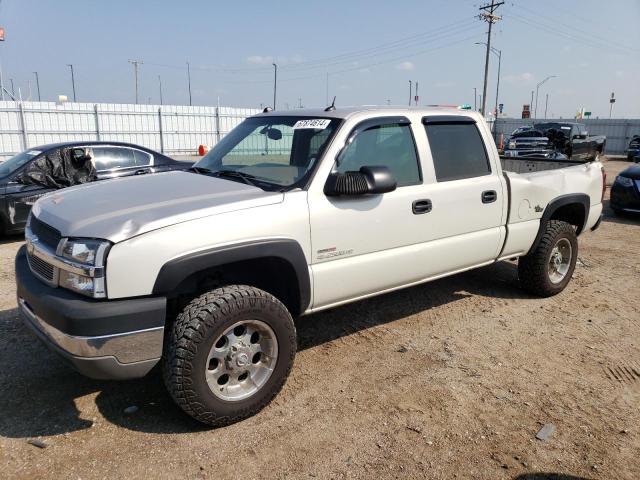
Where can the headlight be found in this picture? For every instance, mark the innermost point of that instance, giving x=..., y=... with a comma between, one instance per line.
x=84, y=266
x=624, y=181
x=83, y=251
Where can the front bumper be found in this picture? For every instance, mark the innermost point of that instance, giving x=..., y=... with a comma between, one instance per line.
x=101, y=339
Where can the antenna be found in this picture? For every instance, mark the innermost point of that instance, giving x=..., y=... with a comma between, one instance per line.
x=331, y=107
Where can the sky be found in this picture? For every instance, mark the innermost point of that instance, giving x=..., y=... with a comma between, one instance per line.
x=361, y=51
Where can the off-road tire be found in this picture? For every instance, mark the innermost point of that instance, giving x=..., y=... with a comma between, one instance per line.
x=190, y=340
x=533, y=268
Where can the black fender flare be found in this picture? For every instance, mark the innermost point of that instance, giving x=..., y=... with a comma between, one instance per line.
x=175, y=271
x=554, y=205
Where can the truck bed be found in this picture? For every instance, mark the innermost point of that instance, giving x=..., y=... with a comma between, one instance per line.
x=533, y=164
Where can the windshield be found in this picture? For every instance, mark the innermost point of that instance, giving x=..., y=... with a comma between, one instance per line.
x=273, y=153
x=552, y=125
x=14, y=163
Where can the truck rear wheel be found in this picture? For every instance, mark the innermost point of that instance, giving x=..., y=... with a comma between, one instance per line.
x=547, y=270
x=229, y=353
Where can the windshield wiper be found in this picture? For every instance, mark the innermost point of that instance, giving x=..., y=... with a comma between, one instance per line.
x=245, y=177
x=201, y=170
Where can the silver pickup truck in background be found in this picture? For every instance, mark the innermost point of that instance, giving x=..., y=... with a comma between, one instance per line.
x=291, y=213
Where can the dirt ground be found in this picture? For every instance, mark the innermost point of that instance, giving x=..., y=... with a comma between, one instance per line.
x=451, y=379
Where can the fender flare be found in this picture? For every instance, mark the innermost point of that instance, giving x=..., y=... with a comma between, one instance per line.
x=554, y=205
x=175, y=271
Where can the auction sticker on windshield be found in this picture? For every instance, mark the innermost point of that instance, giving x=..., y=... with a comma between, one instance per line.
x=318, y=123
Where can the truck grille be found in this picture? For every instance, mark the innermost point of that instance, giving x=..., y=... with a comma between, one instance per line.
x=46, y=234
x=41, y=267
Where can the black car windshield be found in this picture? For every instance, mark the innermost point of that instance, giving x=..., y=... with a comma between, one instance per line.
x=273, y=153
x=14, y=163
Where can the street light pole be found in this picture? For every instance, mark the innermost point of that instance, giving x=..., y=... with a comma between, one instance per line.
x=535, y=112
x=160, y=86
x=73, y=82
x=189, y=81
x=546, y=105
x=275, y=83
x=38, y=85
x=410, y=91
x=475, y=99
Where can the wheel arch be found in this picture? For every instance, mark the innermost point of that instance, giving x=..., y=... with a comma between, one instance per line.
x=277, y=266
x=572, y=208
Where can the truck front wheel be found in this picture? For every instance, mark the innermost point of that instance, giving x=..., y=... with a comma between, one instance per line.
x=229, y=353
x=547, y=270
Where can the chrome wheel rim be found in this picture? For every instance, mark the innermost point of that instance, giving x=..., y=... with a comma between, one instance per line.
x=241, y=360
x=560, y=260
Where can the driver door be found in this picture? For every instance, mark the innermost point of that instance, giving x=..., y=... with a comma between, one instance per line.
x=364, y=244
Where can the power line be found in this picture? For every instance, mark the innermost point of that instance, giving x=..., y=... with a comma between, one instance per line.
x=389, y=47
x=559, y=33
x=475, y=34
x=390, y=60
x=568, y=27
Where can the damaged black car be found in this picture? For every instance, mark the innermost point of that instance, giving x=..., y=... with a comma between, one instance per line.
x=37, y=171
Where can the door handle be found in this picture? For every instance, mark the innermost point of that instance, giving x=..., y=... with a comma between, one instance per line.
x=489, y=196
x=141, y=171
x=421, y=206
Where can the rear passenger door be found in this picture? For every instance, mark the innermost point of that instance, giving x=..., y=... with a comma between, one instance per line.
x=467, y=193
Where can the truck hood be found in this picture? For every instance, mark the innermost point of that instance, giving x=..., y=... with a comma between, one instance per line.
x=123, y=208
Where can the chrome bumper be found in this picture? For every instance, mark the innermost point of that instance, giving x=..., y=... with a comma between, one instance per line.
x=128, y=347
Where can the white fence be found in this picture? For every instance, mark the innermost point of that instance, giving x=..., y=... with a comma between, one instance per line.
x=171, y=129
x=619, y=132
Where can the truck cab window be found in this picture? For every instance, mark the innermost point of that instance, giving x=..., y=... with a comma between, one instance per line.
x=458, y=151
x=391, y=146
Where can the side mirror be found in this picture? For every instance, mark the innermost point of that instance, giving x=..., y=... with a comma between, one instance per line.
x=368, y=180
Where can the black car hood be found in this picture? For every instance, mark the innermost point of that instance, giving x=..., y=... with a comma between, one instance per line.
x=632, y=172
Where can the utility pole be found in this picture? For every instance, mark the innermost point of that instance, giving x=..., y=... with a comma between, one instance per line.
x=497, y=90
x=189, y=81
x=497, y=53
x=531, y=105
x=160, y=86
x=546, y=105
x=73, y=82
x=535, y=112
x=275, y=83
x=38, y=85
x=135, y=64
x=410, y=91
x=416, y=97
x=486, y=14
x=475, y=99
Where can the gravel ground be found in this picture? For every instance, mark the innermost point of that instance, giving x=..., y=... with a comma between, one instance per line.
x=452, y=379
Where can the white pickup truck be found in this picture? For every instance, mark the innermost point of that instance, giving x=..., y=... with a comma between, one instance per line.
x=291, y=213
